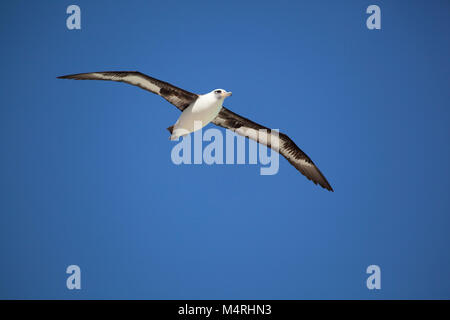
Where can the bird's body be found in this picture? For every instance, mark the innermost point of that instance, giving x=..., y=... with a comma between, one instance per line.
x=198, y=114
x=199, y=110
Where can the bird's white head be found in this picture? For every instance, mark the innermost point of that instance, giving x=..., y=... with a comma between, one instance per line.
x=220, y=93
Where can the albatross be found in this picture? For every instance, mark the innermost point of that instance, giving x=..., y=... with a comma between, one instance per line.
x=206, y=108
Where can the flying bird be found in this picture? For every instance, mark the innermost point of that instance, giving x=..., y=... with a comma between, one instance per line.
x=209, y=108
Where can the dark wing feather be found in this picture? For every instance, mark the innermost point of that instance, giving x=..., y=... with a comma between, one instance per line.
x=178, y=97
x=277, y=141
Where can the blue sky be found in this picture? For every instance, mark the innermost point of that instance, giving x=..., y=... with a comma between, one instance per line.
x=87, y=179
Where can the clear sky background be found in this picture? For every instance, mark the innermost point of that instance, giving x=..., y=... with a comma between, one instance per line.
x=86, y=176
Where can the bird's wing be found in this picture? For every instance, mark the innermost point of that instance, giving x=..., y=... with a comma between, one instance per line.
x=178, y=97
x=272, y=139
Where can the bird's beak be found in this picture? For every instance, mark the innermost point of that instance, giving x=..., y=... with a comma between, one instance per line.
x=226, y=94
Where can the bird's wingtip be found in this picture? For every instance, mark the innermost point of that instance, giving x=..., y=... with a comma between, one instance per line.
x=63, y=77
x=328, y=187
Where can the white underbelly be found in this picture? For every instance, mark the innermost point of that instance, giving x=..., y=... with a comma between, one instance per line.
x=195, y=117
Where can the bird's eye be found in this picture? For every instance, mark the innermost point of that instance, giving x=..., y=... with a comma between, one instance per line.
x=218, y=91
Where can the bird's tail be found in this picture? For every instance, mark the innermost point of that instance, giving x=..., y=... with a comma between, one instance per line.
x=172, y=136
